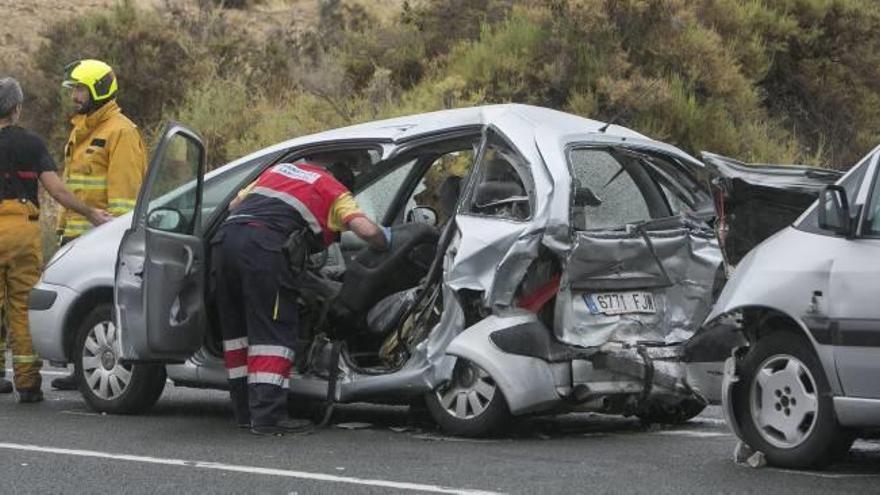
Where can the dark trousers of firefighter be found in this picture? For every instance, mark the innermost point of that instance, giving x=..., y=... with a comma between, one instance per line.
x=258, y=316
x=21, y=257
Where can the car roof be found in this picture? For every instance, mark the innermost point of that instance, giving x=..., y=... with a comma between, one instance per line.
x=413, y=126
x=399, y=129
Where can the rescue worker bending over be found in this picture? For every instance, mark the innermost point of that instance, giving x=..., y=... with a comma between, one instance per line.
x=105, y=158
x=256, y=287
x=24, y=160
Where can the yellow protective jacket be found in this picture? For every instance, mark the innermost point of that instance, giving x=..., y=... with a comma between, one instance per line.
x=104, y=165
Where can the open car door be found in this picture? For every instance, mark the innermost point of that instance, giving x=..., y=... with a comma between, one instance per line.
x=160, y=268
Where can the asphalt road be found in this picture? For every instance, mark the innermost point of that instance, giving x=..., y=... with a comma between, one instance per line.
x=187, y=444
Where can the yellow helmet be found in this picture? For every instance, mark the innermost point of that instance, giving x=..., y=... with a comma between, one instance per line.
x=93, y=74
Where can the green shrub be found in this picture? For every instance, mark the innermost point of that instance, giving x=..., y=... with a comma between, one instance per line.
x=793, y=80
x=153, y=60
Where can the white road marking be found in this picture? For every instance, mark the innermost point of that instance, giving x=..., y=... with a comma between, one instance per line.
x=694, y=434
x=246, y=469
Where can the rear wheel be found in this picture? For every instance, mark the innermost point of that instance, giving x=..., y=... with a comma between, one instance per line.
x=783, y=404
x=105, y=383
x=470, y=404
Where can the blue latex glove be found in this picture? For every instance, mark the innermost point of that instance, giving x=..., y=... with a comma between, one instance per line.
x=387, y=232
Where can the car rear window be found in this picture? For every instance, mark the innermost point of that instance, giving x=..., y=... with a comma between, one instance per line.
x=604, y=194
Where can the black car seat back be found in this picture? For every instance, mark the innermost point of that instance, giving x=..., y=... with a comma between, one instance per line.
x=373, y=275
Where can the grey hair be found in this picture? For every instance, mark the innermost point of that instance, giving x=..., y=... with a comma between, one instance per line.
x=10, y=96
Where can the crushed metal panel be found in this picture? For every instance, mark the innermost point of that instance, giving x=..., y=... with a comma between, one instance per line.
x=677, y=265
x=485, y=248
x=492, y=254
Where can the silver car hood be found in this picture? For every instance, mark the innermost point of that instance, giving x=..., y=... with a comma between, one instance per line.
x=89, y=260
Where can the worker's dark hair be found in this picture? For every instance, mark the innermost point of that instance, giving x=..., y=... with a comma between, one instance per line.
x=342, y=173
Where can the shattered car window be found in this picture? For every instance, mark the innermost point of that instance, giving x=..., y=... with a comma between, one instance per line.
x=377, y=197
x=501, y=190
x=604, y=195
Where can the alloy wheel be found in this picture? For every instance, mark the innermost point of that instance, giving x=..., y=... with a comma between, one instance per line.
x=783, y=401
x=469, y=392
x=103, y=373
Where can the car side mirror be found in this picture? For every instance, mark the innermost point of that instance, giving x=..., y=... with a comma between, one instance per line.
x=834, y=213
x=422, y=214
x=167, y=219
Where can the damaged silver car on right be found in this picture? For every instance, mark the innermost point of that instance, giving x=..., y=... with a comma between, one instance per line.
x=804, y=382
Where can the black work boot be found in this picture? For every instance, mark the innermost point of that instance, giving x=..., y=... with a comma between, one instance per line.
x=283, y=427
x=5, y=386
x=65, y=382
x=27, y=396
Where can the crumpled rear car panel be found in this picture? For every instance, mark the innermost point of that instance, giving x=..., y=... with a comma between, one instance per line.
x=677, y=265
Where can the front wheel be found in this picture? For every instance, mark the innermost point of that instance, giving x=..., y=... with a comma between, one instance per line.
x=105, y=383
x=783, y=405
x=470, y=404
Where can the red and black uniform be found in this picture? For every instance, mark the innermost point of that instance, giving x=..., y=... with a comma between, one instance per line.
x=23, y=157
x=255, y=287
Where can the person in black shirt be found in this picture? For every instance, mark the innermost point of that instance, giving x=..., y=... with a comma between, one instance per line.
x=24, y=162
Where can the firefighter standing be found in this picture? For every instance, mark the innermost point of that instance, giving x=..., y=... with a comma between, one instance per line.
x=255, y=284
x=24, y=161
x=105, y=159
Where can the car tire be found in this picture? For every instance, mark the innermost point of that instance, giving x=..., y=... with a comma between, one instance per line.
x=783, y=405
x=672, y=414
x=470, y=404
x=105, y=384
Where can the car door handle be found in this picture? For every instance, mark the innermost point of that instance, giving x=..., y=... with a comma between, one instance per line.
x=190, y=261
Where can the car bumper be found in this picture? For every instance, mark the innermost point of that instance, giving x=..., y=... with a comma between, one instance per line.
x=48, y=306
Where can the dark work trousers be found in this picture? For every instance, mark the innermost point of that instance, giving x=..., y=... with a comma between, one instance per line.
x=258, y=320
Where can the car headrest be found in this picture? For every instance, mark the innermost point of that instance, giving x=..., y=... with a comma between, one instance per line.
x=495, y=190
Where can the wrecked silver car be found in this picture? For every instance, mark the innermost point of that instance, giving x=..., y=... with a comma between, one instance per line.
x=803, y=383
x=543, y=263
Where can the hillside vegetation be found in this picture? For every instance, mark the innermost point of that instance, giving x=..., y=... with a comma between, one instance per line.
x=772, y=81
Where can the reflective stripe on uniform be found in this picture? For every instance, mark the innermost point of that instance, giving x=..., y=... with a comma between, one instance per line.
x=235, y=357
x=75, y=226
x=87, y=182
x=295, y=203
x=25, y=359
x=269, y=364
x=233, y=344
x=120, y=206
x=270, y=350
x=237, y=372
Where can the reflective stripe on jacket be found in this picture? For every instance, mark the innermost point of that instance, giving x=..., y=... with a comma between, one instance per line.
x=104, y=165
x=290, y=194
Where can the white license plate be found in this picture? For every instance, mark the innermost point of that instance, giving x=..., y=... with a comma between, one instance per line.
x=619, y=303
